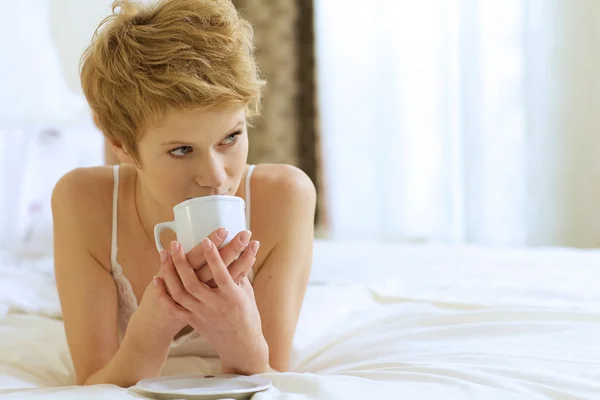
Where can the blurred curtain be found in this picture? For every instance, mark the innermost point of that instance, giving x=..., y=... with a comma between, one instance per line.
x=287, y=131
x=471, y=121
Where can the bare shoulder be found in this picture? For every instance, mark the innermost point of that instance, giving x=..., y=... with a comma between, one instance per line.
x=283, y=205
x=82, y=203
x=82, y=191
x=283, y=188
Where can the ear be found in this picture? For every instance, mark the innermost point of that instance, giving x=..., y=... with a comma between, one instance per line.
x=114, y=153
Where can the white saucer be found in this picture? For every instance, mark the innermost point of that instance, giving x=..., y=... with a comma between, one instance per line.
x=202, y=387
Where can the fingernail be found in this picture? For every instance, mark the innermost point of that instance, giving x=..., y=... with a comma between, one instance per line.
x=222, y=234
x=206, y=244
x=245, y=237
x=174, y=246
x=155, y=281
x=254, y=246
x=163, y=256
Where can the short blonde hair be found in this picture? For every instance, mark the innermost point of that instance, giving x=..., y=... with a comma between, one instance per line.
x=180, y=54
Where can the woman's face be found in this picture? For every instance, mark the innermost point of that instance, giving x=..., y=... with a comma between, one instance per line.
x=193, y=154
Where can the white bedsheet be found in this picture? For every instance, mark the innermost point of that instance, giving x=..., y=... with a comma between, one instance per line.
x=379, y=321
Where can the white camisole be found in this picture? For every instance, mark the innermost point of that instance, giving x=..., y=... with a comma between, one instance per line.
x=190, y=344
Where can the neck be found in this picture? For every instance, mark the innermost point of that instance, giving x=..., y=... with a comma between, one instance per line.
x=149, y=211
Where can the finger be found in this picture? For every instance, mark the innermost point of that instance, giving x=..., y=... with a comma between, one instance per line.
x=217, y=267
x=162, y=294
x=211, y=283
x=164, y=255
x=186, y=274
x=203, y=273
x=232, y=251
x=229, y=254
x=240, y=268
x=196, y=255
x=247, y=287
x=173, y=281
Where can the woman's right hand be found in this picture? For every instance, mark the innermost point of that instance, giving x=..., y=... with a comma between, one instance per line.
x=160, y=318
x=229, y=254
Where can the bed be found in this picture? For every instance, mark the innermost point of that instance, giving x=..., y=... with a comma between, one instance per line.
x=380, y=320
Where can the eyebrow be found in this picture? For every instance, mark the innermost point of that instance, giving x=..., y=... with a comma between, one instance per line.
x=183, y=143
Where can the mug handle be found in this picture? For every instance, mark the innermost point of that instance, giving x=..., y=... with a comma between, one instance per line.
x=159, y=228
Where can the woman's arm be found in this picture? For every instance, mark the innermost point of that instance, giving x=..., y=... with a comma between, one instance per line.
x=88, y=296
x=281, y=281
x=138, y=357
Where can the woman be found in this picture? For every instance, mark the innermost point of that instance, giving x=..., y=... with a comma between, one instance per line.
x=171, y=86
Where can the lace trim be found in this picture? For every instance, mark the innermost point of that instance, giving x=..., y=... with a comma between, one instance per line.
x=128, y=305
x=127, y=301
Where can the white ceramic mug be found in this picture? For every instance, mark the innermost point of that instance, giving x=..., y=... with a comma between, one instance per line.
x=197, y=218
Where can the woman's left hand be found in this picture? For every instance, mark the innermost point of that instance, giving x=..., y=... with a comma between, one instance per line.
x=227, y=315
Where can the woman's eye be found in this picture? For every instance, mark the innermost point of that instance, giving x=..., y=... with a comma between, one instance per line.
x=231, y=138
x=181, y=151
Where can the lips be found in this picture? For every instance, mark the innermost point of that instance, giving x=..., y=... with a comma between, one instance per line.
x=213, y=194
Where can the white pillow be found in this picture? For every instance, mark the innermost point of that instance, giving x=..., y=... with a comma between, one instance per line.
x=40, y=135
x=52, y=152
x=14, y=154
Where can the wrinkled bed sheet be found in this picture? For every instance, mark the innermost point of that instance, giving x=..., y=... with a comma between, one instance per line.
x=379, y=321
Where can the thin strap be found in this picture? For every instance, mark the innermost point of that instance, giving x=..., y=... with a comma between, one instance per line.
x=248, y=175
x=113, y=246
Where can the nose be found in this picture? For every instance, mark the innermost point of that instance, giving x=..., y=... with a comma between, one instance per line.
x=211, y=172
